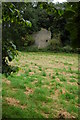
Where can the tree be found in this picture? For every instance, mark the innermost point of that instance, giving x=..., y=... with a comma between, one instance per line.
x=72, y=15
x=11, y=20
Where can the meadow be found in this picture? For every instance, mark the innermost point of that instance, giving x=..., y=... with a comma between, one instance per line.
x=45, y=86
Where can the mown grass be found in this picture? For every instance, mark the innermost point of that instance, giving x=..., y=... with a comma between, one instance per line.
x=44, y=87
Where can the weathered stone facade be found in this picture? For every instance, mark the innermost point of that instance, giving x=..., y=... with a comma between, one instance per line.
x=42, y=38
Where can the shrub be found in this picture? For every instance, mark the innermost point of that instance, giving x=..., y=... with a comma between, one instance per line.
x=28, y=40
x=54, y=45
x=69, y=49
x=32, y=48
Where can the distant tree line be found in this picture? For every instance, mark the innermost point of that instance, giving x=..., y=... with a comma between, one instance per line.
x=20, y=20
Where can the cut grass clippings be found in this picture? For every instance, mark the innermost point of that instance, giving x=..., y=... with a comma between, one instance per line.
x=44, y=87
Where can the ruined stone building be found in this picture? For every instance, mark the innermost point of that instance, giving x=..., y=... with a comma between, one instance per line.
x=42, y=38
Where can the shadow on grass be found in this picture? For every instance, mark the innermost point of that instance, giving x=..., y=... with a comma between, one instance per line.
x=8, y=69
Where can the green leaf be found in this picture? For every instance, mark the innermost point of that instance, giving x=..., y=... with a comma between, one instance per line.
x=28, y=23
x=11, y=10
x=68, y=13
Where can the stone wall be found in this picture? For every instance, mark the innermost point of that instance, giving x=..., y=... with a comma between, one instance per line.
x=42, y=38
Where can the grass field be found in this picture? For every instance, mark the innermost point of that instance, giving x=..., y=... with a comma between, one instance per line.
x=46, y=86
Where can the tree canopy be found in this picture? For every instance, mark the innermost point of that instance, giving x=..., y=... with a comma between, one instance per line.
x=20, y=20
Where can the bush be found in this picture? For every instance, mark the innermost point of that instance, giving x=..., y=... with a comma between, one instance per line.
x=54, y=45
x=32, y=48
x=28, y=40
x=69, y=49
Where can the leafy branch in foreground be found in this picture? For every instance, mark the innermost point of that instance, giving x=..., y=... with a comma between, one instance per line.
x=11, y=19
